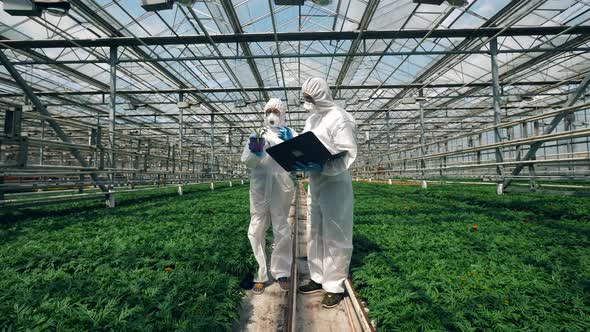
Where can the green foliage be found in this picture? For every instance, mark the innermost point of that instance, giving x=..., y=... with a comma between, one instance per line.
x=260, y=132
x=160, y=261
x=157, y=262
x=422, y=266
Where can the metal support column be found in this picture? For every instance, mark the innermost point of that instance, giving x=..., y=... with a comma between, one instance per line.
x=445, y=157
x=422, y=140
x=231, y=168
x=479, y=143
x=532, y=167
x=100, y=147
x=42, y=147
x=169, y=150
x=568, y=122
x=180, y=138
x=147, y=155
x=388, y=130
x=194, y=164
x=94, y=133
x=173, y=154
x=212, y=158
x=497, y=113
x=135, y=165
x=470, y=144
x=81, y=183
x=112, y=110
x=403, y=164
x=509, y=137
x=1, y=188
x=368, y=137
x=440, y=161
x=532, y=173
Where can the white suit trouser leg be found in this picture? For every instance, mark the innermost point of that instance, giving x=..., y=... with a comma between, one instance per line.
x=256, y=233
x=330, y=242
x=282, y=255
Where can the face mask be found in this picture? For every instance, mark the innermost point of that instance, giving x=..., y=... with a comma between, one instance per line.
x=312, y=108
x=272, y=120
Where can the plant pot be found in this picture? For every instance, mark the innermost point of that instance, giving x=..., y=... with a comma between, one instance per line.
x=257, y=144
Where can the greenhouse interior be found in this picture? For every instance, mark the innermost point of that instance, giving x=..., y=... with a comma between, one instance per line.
x=424, y=165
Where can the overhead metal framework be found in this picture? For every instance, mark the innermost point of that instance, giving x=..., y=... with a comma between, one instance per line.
x=171, y=96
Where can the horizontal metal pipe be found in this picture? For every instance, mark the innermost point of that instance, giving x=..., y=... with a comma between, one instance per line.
x=38, y=116
x=513, y=123
x=296, y=88
x=451, y=181
x=541, y=138
x=304, y=55
x=566, y=162
x=295, y=36
x=61, y=198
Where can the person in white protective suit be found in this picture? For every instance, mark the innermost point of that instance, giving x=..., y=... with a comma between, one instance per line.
x=271, y=191
x=330, y=194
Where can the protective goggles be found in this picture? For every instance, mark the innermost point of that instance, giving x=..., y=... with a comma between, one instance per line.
x=272, y=110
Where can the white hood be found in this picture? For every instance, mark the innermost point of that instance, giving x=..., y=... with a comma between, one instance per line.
x=276, y=104
x=318, y=89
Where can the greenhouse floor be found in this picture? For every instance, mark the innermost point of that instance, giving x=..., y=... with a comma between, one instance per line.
x=447, y=258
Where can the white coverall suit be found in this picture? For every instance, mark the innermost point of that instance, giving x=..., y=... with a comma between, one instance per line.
x=331, y=199
x=271, y=191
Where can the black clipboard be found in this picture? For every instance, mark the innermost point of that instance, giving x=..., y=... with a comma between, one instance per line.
x=303, y=148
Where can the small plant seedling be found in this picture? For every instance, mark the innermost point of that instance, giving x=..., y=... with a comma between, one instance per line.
x=260, y=132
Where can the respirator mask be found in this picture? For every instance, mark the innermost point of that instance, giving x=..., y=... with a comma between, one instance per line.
x=310, y=107
x=272, y=119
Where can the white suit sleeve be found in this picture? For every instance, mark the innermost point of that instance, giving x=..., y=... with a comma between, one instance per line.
x=250, y=159
x=344, y=140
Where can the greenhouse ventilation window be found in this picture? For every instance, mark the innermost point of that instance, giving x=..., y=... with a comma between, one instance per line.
x=289, y=2
x=36, y=8
x=429, y=2
x=454, y=3
x=156, y=5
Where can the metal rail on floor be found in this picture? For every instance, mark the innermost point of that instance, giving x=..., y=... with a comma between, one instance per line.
x=35, y=199
x=356, y=313
x=359, y=310
x=292, y=296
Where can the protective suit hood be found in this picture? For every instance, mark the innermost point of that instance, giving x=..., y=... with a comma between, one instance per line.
x=276, y=104
x=319, y=90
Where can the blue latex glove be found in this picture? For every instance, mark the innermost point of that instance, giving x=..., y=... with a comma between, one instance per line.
x=257, y=153
x=285, y=133
x=309, y=167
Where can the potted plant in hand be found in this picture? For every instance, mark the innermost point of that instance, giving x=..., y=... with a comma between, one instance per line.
x=257, y=140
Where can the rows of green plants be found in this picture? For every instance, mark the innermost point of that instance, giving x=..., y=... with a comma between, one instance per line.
x=461, y=258
x=448, y=258
x=157, y=262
